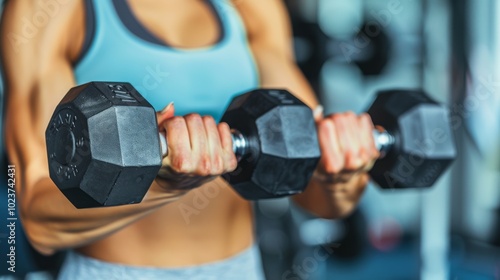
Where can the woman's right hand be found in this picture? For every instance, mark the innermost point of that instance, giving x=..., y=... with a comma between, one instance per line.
x=199, y=150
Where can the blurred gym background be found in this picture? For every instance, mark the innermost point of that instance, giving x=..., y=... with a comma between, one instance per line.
x=349, y=50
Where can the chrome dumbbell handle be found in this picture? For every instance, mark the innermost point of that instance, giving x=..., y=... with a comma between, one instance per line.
x=240, y=144
x=383, y=141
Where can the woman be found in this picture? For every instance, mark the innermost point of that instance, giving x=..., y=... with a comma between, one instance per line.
x=198, y=55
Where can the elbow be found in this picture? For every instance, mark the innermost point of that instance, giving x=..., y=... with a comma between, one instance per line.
x=40, y=237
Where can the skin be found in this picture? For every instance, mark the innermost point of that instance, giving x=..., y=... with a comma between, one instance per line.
x=38, y=74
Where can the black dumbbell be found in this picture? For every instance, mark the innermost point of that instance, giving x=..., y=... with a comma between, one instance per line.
x=104, y=148
x=414, y=137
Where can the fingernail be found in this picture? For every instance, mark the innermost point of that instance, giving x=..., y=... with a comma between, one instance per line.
x=318, y=111
x=167, y=108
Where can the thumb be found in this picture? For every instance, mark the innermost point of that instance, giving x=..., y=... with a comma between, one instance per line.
x=318, y=113
x=166, y=113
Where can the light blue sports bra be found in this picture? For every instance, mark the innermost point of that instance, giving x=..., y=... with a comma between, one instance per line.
x=201, y=80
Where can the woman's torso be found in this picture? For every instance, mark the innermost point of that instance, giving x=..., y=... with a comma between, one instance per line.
x=195, y=54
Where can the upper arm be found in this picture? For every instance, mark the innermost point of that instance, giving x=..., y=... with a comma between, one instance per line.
x=37, y=73
x=268, y=25
x=270, y=37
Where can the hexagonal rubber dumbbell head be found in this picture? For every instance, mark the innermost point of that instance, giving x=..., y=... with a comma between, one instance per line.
x=283, y=142
x=102, y=145
x=424, y=145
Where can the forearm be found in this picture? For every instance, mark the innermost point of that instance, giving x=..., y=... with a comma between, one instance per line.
x=53, y=223
x=322, y=197
x=332, y=200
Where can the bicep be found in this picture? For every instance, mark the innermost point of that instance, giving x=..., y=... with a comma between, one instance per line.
x=270, y=38
x=267, y=23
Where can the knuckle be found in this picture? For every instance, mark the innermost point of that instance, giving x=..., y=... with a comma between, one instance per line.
x=229, y=162
x=208, y=120
x=340, y=119
x=225, y=130
x=331, y=168
x=325, y=124
x=337, y=117
x=352, y=161
x=366, y=119
x=175, y=121
x=173, y=125
x=205, y=166
x=233, y=163
x=350, y=114
x=224, y=125
x=364, y=116
x=192, y=117
x=181, y=164
x=217, y=165
x=364, y=154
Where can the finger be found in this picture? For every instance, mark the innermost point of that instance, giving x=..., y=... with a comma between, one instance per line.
x=166, y=113
x=366, y=134
x=230, y=162
x=199, y=143
x=331, y=153
x=214, y=145
x=346, y=126
x=364, y=139
x=225, y=137
x=197, y=133
x=366, y=128
x=178, y=145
